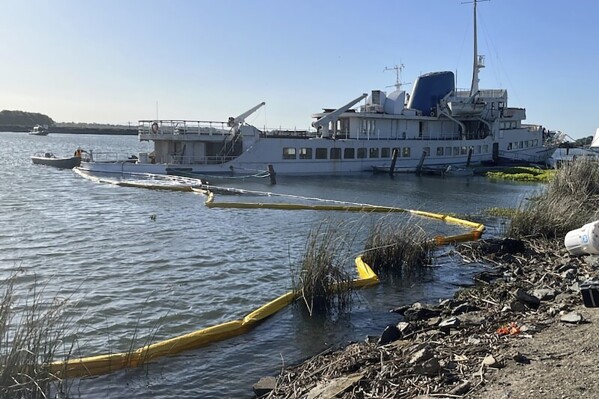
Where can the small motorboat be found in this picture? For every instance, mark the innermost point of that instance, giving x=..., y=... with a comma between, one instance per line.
x=48, y=158
x=39, y=130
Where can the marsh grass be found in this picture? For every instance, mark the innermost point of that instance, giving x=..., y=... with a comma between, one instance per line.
x=31, y=333
x=523, y=173
x=320, y=278
x=570, y=200
x=138, y=347
x=397, y=249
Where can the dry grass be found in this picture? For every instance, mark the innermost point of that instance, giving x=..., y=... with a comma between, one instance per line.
x=31, y=332
x=320, y=278
x=397, y=249
x=570, y=200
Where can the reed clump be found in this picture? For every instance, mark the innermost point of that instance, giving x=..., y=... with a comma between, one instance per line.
x=320, y=278
x=31, y=332
x=570, y=200
x=397, y=249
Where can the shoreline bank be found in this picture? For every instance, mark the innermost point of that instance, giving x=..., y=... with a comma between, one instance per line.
x=486, y=339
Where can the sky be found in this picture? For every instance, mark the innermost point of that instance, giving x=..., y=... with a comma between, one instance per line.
x=119, y=61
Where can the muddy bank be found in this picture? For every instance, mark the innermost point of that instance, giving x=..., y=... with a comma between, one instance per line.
x=486, y=338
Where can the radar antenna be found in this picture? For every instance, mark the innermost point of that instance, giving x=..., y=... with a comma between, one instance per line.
x=397, y=69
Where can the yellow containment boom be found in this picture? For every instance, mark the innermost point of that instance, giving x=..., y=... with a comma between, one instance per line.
x=475, y=234
x=104, y=364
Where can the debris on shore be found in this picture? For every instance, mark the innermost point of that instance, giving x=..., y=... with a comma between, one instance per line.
x=449, y=348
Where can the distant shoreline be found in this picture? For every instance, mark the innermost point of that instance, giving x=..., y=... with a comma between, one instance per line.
x=74, y=130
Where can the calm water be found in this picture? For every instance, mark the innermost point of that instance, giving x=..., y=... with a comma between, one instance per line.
x=125, y=273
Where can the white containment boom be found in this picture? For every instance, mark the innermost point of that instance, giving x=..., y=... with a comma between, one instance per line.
x=323, y=122
x=235, y=122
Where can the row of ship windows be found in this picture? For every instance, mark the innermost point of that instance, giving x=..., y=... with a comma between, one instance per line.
x=522, y=144
x=362, y=153
x=508, y=125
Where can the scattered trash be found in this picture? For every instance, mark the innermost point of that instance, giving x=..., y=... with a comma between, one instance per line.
x=590, y=293
x=572, y=318
x=584, y=240
x=510, y=329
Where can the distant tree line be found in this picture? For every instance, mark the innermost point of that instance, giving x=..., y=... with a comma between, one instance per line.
x=95, y=125
x=22, y=118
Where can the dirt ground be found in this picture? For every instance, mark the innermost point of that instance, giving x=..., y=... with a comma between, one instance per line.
x=564, y=363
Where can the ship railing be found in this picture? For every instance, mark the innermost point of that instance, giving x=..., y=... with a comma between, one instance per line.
x=183, y=127
x=541, y=157
x=532, y=128
x=364, y=136
x=110, y=156
x=283, y=132
x=207, y=160
x=495, y=93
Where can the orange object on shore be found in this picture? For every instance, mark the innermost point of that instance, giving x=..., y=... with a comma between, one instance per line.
x=510, y=329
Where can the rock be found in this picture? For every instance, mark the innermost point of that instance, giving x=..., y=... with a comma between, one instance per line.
x=490, y=361
x=592, y=260
x=405, y=328
x=544, y=294
x=461, y=389
x=488, y=276
x=333, y=388
x=464, y=308
x=449, y=365
x=552, y=311
x=429, y=367
x=565, y=266
x=419, y=311
x=447, y=324
x=517, y=306
x=390, y=333
x=372, y=339
x=400, y=309
x=562, y=297
x=520, y=358
x=512, y=246
x=432, y=322
x=264, y=386
x=472, y=318
x=421, y=356
x=569, y=274
x=575, y=288
x=572, y=318
x=527, y=298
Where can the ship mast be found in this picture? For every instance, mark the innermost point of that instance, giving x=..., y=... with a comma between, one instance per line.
x=479, y=60
x=397, y=69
